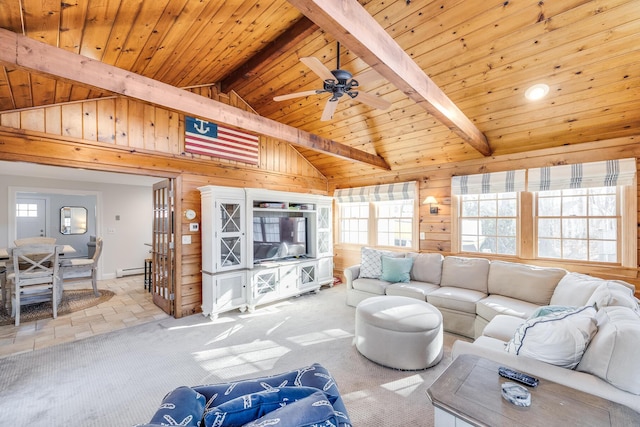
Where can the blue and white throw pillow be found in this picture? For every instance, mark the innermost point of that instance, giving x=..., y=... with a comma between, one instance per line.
x=315, y=376
x=370, y=263
x=183, y=406
x=250, y=407
x=312, y=411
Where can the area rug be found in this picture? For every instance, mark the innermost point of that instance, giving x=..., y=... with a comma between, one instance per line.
x=72, y=301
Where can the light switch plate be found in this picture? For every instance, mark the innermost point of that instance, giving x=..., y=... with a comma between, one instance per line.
x=186, y=240
x=194, y=226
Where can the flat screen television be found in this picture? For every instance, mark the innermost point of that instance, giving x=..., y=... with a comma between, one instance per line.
x=279, y=237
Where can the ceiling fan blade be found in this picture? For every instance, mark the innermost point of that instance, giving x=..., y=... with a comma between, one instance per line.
x=367, y=77
x=295, y=95
x=317, y=67
x=329, y=109
x=372, y=100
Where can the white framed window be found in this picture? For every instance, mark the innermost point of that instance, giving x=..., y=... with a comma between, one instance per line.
x=380, y=215
x=489, y=223
x=394, y=223
x=573, y=212
x=354, y=223
x=486, y=212
x=578, y=224
x=26, y=210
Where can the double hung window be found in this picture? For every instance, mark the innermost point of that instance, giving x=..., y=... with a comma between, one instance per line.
x=571, y=212
x=488, y=211
x=380, y=215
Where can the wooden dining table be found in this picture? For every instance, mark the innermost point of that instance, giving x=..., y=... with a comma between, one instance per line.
x=4, y=259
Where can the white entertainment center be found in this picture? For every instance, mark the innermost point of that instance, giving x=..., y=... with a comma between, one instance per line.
x=260, y=246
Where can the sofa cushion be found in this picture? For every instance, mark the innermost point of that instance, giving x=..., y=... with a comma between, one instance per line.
x=426, y=267
x=575, y=289
x=559, y=338
x=524, y=282
x=493, y=305
x=455, y=298
x=611, y=293
x=467, y=273
x=312, y=411
x=396, y=270
x=373, y=286
x=250, y=407
x=502, y=327
x=612, y=353
x=182, y=406
x=412, y=289
x=371, y=262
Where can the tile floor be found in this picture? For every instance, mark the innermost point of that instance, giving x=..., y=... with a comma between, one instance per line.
x=131, y=305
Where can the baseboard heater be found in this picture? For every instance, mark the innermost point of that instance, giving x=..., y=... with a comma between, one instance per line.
x=121, y=272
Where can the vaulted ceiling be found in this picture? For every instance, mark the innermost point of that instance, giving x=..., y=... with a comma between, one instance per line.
x=481, y=55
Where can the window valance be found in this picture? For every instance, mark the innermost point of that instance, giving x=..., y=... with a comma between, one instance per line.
x=494, y=182
x=376, y=193
x=352, y=195
x=607, y=173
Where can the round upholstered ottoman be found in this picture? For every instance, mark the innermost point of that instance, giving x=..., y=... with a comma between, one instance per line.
x=399, y=332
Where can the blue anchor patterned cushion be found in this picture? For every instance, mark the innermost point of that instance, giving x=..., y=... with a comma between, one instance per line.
x=241, y=410
x=181, y=407
x=315, y=376
x=312, y=411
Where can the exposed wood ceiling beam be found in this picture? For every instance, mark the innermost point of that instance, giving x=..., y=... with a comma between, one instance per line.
x=281, y=45
x=351, y=24
x=20, y=51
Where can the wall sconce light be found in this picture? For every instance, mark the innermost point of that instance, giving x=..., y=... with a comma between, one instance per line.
x=430, y=200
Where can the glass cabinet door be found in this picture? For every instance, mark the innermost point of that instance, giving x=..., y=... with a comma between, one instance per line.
x=324, y=230
x=231, y=237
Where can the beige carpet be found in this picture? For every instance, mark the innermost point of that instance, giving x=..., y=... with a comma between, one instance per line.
x=72, y=301
x=119, y=378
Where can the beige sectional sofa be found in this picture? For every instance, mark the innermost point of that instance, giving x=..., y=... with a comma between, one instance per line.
x=574, y=329
x=469, y=292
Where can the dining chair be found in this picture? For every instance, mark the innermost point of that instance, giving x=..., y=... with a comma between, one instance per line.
x=83, y=265
x=34, y=276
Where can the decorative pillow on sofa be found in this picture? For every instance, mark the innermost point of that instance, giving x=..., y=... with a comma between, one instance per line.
x=183, y=406
x=559, y=338
x=612, y=353
x=250, y=407
x=371, y=262
x=396, y=270
x=611, y=293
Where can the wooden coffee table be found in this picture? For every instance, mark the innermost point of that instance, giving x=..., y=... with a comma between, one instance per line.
x=469, y=393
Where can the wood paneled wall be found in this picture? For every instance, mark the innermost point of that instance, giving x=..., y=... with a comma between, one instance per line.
x=436, y=181
x=121, y=135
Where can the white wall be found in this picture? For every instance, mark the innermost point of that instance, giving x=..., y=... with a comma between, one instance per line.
x=124, y=238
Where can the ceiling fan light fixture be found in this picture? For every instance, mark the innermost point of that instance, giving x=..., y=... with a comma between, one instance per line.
x=536, y=92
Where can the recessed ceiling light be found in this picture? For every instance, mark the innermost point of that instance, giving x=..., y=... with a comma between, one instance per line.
x=537, y=91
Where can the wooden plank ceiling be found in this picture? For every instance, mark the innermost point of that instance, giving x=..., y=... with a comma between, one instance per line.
x=482, y=55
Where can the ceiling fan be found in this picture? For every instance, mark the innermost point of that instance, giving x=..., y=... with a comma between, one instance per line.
x=338, y=83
